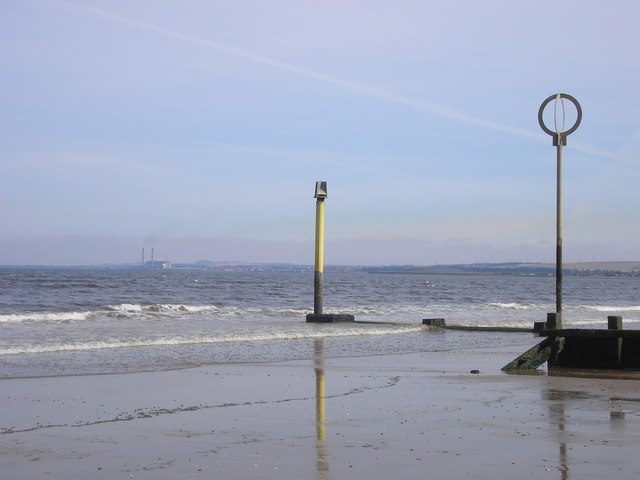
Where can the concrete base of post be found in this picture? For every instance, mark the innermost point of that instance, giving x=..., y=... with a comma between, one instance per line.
x=329, y=318
x=434, y=322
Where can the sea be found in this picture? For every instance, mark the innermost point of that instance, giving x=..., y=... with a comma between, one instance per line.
x=98, y=321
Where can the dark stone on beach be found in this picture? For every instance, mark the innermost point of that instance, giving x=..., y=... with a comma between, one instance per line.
x=475, y=372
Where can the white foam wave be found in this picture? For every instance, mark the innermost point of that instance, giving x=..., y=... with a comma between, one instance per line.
x=511, y=306
x=609, y=308
x=223, y=338
x=139, y=311
x=44, y=317
x=179, y=308
x=136, y=310
x=270, y=311
x=126, y=308
x=584, y=322
x=389, y=311
x=252, y=311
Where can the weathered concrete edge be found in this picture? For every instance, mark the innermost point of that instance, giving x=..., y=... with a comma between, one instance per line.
x=441, y=323
x=488, y=329
x=330, y=318
x=592, y=332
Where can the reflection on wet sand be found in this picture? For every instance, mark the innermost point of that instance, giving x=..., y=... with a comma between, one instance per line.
x=322, y=460
x=557, y=418
x=558, y=403
x=617, y=421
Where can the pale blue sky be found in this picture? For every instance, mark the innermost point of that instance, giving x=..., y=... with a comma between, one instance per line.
x=200, y=128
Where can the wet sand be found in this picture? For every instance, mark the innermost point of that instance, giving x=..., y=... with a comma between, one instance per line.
x=420, y=415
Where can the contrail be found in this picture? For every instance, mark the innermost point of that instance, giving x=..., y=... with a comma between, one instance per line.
x=430, y=107
x=361, y=88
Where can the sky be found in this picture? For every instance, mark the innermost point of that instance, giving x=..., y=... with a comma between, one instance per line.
x=199, y=128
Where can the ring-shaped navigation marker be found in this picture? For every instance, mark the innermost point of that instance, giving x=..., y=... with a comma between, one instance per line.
x=559, y=134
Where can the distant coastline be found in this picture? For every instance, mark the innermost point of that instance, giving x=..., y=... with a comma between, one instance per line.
x=622, y=269
x=578, y=269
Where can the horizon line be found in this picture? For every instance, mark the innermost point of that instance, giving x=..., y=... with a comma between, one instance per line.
x=294, y=264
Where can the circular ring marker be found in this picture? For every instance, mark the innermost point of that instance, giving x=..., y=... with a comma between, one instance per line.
x=557, y=134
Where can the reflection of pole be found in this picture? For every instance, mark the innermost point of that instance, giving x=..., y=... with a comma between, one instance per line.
x=322, y=465
x=559, y=237
x=320, y=415
x=318, y=280
x=320, y=390
x=557, y=399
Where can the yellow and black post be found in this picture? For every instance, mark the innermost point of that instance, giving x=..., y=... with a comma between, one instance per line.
x=318, y=275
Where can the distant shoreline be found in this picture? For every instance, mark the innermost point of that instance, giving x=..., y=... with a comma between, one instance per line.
x=575, y=269
x=508, y=274
x=626, y=269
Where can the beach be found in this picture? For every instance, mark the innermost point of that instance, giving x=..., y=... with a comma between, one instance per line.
x=412, y=415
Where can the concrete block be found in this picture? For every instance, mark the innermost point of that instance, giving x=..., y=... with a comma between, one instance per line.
x=434, y=322
x=330, y=318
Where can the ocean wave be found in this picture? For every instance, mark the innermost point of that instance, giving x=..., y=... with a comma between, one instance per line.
x=158, y=308
x=494, y=312
x=122, y=310
x=135, y=312
x=233, y=311
x=386, y=310
x=511, y=306
x=44, y=317
x=142, y=312
x=596, y=323
x=231, y=337
x=610, y=308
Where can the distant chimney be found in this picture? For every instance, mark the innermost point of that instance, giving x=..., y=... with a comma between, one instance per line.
x=143, y=256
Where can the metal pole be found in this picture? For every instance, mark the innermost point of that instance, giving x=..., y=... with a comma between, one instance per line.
x=559, y=236
x=559, y=136
x=318, y=277
x=318, y=280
